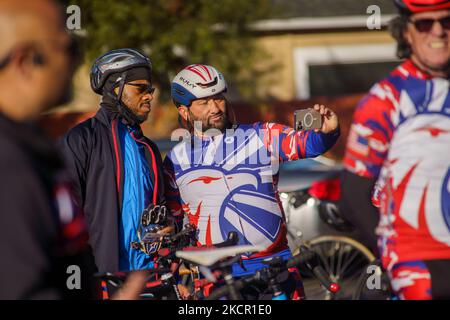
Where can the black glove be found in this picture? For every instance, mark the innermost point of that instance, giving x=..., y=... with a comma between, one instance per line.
x=153, y=219
x=153, y=215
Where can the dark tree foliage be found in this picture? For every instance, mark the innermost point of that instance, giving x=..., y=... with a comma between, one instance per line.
x=175, y=33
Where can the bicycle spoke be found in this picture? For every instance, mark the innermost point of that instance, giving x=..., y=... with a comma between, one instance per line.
x=355, y=253
x=353, y=277
x=342, y=252
x=358, y=265
x=344, y=263
x=332, y=258
x=322, y=258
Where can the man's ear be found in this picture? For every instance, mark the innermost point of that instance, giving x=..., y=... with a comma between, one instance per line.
x=183, y=111
x=407, y=35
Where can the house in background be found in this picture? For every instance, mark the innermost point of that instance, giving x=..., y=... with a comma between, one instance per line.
x=325, y=48
x=323, y=51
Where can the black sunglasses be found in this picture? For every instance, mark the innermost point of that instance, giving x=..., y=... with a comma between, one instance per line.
x=143, y=88
x=425, y=25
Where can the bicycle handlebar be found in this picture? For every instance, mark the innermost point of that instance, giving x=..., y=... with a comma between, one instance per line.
x=305, y=257
x=323, y=278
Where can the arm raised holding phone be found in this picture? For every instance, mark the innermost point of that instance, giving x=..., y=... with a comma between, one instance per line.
x=319, y=118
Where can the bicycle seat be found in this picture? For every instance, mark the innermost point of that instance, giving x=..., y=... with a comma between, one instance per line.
x=209, y=257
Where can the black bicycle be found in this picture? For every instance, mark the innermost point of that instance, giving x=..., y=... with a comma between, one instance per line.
x=220, y=272
x=162, y=281
x=168, y=273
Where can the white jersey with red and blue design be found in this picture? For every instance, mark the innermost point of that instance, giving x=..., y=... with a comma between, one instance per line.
x=229, y=182
x=401, y=135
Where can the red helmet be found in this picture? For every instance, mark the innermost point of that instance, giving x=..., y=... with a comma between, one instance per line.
x=415, y=6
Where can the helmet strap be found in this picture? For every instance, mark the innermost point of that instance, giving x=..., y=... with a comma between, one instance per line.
x=123, y=77
x=128, y=117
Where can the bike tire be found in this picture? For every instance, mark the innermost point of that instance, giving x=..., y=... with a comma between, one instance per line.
x=326, y=247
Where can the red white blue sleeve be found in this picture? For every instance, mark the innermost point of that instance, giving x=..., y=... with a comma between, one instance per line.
x=288, y=144
x=369, y=136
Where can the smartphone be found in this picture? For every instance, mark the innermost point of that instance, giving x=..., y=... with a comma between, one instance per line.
x=307, y=119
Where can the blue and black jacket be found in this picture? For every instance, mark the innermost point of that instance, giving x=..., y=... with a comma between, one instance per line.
x=94, y=156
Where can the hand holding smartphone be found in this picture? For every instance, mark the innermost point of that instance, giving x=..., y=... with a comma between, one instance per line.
x=307, y=119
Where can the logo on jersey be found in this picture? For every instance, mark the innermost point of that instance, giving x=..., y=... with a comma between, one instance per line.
x=419, y=180
x=219, y=203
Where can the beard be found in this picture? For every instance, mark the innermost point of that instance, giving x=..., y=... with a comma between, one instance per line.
x=137, y=114
x=140, y=117
x=209, y=123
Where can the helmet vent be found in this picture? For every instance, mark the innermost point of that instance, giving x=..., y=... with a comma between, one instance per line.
x=207, y=85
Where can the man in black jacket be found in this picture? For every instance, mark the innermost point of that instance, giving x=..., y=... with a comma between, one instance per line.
x=43, y=239
x=117, y=170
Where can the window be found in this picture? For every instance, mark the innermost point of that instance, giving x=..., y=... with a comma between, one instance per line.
x=339, y=70
x=348, y=78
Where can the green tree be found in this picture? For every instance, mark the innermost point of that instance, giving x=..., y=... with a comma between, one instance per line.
x=178, y=32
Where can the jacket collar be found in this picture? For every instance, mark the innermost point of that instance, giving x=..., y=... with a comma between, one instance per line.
x=408, y=67
x=105, y=116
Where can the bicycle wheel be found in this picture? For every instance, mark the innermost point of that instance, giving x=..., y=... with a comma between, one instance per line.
x=344, y=259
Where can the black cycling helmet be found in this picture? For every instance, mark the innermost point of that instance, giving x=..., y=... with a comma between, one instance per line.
x=115, y=61
x=415, y=6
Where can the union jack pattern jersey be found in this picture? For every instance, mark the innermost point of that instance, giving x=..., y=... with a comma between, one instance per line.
x=229, y=182
x=401, y=135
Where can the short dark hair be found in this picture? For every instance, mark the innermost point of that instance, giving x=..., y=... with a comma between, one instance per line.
x=397, y=28
x=181, y=122
x=177, y=104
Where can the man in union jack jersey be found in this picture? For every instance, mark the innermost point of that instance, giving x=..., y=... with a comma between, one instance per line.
x=398, y=152
x=224, y=177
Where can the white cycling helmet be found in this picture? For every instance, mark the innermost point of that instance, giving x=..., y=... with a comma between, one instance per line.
x=196, y=81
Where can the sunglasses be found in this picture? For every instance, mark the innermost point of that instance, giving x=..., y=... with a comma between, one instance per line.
x=425, y=25
x=143, y=88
